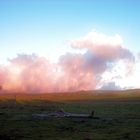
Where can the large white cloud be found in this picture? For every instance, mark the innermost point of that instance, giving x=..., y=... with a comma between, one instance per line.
x=105, y=64
x=103, y=46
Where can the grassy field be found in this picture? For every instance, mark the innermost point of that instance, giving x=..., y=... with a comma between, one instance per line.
x=16, y=122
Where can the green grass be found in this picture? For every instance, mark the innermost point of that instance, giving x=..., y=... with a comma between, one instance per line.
x=16, y=122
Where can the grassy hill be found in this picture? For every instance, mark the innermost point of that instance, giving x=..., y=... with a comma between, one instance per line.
x=16, y=120
x=122, y=108
x=80, y=95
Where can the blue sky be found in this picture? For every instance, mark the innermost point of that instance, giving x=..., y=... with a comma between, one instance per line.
x=44, y=26
x=102, y=36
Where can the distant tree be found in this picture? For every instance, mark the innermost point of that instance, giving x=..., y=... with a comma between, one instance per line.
x=0, y=87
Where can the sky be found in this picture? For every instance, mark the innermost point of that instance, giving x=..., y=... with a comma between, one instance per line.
x=87, y=44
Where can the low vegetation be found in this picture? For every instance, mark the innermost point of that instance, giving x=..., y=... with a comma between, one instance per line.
x=16, y=122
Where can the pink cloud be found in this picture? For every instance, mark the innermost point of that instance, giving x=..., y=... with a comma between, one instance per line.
x=103, y=46
x=30, y=73
x=76, y=75
x=73, y=72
